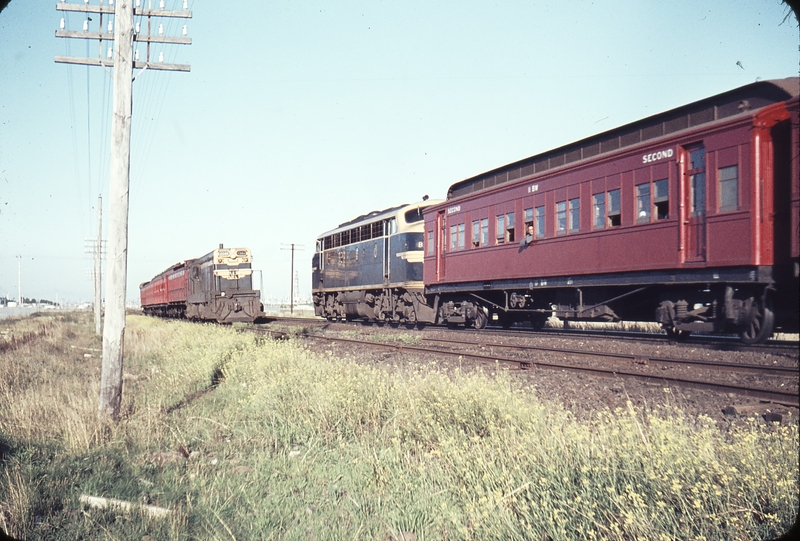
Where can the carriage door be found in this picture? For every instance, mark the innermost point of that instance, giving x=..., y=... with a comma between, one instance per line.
x=441, y=242
x=694, y=204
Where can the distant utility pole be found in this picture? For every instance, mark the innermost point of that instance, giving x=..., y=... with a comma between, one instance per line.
x=96, y=247
x=123, y=60
x=19, y=280
x=291, y=288
x=98, y=253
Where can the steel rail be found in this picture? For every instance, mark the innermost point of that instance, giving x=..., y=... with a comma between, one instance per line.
x=629, y=356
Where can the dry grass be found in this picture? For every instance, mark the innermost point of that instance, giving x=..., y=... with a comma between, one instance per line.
x=294, y=445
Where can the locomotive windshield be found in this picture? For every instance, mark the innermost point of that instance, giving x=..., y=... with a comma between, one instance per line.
x=414, y=215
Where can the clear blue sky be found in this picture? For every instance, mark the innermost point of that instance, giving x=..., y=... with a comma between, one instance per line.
x=298, y=116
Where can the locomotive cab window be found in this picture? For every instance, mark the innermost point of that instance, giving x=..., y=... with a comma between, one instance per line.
x=661, y=198
x=614, y=217
x=414, y=215
x=729, y=188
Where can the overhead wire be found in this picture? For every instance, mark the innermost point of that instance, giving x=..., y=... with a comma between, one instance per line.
x=73, y=132
x=149, y=97
x=88, y=123
x=154, y=97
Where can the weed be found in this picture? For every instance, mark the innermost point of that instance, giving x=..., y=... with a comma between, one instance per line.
x=245, y=437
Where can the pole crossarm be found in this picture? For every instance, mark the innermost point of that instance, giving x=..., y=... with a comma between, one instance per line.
x=110, y=63
x=85, y=8
x=176, y=40
x=146, y=37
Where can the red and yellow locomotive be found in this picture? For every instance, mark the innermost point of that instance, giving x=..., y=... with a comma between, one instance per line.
x=216, y=287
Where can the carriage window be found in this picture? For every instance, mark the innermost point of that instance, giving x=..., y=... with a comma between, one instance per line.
x=561, y=218
x=528, y=219
x=729, y=188
x=484, y=231
x=661, y=199
x=510, y=227
x=643, y=203
x=697, y=171
x=461, y=234
x=574, y=215
x=599, y=210
x=430, y=243
x=614, y=218
x=476, y=233
x=539, y=222
x=453, y=237
x=500, y=232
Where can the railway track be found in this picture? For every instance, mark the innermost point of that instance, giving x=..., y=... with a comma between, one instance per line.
x=725, y=343
x=778, y=383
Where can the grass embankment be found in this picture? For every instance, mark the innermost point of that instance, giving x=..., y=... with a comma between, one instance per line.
x=293, y=445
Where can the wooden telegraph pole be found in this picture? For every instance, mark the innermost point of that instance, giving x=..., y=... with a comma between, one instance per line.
x=121, y=58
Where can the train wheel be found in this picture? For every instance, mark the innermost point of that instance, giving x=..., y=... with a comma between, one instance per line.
x=760, y=326
x=481, y=319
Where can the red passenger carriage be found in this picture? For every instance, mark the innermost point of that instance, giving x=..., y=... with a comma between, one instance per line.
x=691, y=217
